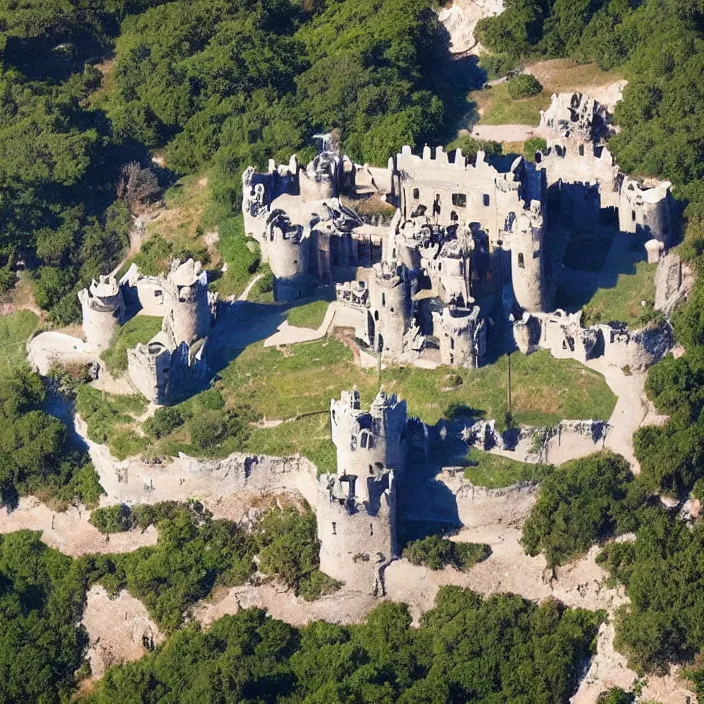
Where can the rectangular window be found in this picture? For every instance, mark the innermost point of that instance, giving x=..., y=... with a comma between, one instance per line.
x=416, y=193
x=486, y=200
x=459, y=199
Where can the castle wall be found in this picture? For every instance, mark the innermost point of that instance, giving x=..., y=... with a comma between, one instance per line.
x=150, y=295
x=457, y=192
x=148, y=368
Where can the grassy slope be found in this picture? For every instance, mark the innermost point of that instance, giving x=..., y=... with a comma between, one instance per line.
x=544, y=391
x=15, y=330
x=623, y=301
x=496, y=472
x=310, y=315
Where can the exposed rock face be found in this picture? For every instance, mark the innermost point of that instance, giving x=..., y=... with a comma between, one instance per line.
x=670, y=284
x=460, y=20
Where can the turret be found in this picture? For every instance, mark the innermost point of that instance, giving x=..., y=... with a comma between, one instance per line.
x=356, y=511
x=188, y=317
x=103, y=311
x=461, y=335
x=524, y=237
x=368, y=442
x=390, y=307
x=646, y=211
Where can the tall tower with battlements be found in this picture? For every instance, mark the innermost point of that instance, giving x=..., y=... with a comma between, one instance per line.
x=357, y=505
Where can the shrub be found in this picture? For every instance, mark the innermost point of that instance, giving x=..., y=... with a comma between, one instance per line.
x=112, y=519
x=533, y=145
x=207, y=429
x=524, y=85
x=289, y=550
x=164, y=421
x=580, y=503
x=436, y=552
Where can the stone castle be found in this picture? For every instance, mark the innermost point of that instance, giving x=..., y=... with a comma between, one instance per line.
x=454, y=256
x=173, y=364
x=465, y=247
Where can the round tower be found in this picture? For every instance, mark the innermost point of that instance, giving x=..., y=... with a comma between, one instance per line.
x=390, y=307
x=460, y=333
x=526, y=243
x=646, y=211
x=103, y=310
x=188, y=318
x=368, y=442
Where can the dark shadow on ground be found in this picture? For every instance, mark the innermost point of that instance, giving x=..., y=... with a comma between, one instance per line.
x=594, y=263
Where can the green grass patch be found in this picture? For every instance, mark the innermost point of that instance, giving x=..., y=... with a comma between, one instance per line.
x=111, y=420
x=310, y=315
x=496, y=472
x=544, y=390
x=263, y=289
x=239, y=253
x=140, y=329
x=308, y=436
x=15, y=330
x=496, y=107
x=623, y=302
x=301, y=379
x=305, y=377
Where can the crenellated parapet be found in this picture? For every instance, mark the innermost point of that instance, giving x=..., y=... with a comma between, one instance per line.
x=103, y=309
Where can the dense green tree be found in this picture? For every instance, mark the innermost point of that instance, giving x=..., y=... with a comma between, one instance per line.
x=41, y=604
x=583, y=502
x=467, y=649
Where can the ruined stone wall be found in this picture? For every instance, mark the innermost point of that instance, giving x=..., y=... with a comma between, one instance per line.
x=669, y=290
x=148, y=369
x=259, y=473
x=150, y=296
x=260, y=189
x=457, y=192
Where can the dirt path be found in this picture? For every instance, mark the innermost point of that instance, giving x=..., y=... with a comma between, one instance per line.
x=70, y=532
x=290, y=334
x=245, y=294
x=630, y=411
